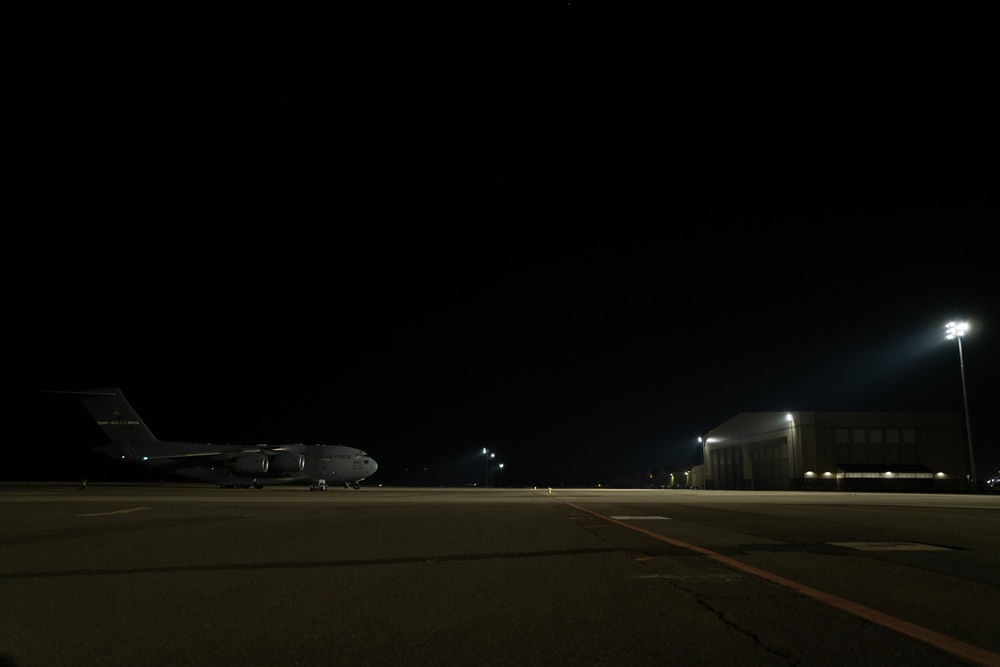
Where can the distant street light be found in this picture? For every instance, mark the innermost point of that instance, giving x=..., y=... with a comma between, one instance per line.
x=501, y=475
x=956, y=330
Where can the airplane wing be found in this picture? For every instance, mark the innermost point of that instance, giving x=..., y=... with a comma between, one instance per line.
x=223, y=454
x=177, y=450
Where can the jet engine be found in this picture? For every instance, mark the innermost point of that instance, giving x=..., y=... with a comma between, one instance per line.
x=250, y=464
x=288, y=462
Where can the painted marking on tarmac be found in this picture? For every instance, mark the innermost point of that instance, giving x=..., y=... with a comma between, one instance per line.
x=696, y=578
x=133, y=509
x=642, y=518
x=918, y=632
x=890, y=546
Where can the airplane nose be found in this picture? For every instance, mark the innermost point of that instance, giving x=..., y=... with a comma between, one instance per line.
x=372, y=466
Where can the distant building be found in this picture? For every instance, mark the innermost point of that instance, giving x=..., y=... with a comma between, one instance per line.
x=835, y=451
x=645, y=479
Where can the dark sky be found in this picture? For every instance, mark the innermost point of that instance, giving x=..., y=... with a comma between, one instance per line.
x=576, y=233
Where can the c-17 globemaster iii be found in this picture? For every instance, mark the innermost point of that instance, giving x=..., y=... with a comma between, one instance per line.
x=225, y=465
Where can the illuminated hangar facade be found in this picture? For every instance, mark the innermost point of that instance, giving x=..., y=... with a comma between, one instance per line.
x=835, y=451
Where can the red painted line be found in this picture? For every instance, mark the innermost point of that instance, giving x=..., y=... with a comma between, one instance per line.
x=920, y=633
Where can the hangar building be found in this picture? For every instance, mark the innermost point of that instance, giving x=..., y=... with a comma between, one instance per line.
x=835, y=451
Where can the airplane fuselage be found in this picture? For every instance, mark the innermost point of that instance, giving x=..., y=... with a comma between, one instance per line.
x=335, y=464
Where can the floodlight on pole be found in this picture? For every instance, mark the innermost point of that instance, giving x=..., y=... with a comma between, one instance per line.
x=487, y=453
x=956, y=330
x=703, y=441
x=791, y=447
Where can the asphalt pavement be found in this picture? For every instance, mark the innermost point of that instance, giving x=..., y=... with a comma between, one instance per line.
x=183, y=574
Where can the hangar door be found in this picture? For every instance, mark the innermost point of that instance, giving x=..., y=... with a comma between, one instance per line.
x=728, y=467
x=769, y=465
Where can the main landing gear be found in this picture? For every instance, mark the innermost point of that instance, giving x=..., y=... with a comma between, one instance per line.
x=256, y=484
x=320, y=485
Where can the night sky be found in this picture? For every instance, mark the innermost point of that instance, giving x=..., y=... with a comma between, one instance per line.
x=577, y=234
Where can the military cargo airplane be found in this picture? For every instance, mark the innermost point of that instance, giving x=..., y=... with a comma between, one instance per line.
x=226, y=465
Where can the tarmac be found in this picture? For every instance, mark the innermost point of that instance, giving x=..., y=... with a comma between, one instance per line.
x=169, y=574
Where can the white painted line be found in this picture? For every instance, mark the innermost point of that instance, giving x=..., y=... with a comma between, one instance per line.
x=889, y=546
x=134, y=509
x=641, y=518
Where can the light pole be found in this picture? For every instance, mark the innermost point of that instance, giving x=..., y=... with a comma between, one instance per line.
x=791, y=446
x=501, y=475
x=704, y=461
x=957, y=330
x=489, y=455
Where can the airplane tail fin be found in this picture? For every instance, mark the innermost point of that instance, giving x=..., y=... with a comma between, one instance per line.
x=115, y=416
